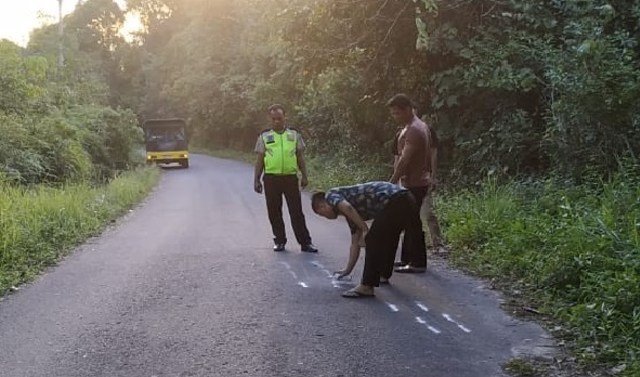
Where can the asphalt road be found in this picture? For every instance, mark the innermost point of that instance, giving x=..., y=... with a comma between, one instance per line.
x=187, y=285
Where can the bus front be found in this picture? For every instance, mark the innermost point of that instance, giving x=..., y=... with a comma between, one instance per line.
x=166, y=141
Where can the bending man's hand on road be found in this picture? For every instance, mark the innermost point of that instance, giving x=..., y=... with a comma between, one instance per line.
x=341, y=274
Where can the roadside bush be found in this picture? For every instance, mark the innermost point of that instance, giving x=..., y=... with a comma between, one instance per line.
x=39, y=225
x=109, y=136
x=343, y=169
x=33, y=152
x=575, y=250
x=85, y=143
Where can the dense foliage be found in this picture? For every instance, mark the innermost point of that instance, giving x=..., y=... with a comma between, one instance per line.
x=514, y=87
x=63, y=124
x=517, y=87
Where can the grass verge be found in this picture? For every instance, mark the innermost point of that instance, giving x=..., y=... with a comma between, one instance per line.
x=570, y=253
x=39, y=226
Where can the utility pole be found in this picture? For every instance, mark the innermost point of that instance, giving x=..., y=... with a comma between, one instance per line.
x=60, y=35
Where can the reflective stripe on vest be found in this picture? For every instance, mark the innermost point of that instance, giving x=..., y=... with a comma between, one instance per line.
x=280, y=152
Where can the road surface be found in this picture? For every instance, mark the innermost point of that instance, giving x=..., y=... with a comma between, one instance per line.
x=187, y=285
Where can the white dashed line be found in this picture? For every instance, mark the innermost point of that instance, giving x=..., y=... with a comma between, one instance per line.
x=422, y=306
x=460, y=326
x=421, y=321
x=303, y=284
x=322, y=268
x=433, y=329
x=392, y=307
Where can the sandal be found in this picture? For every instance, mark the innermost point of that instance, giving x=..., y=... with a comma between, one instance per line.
x=352, y=293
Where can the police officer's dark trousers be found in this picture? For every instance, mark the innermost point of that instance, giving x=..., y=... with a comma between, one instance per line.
x=275, y=186
x=400, y=214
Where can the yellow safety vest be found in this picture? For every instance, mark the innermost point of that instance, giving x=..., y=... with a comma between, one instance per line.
x=280, y=152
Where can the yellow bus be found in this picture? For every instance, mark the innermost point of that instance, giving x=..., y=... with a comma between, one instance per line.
x=166, y=141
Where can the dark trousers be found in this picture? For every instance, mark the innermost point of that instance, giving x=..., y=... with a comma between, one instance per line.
x=400, y=214
x=275, y=186
x=412, y=254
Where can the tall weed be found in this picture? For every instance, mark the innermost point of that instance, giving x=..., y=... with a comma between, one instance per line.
x=575, y=250
x=39, y=225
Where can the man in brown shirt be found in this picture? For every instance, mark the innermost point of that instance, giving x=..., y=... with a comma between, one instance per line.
x=433, y=224
x=412, y=168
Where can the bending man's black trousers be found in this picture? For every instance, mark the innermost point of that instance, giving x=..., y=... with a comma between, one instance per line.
x=400, y=214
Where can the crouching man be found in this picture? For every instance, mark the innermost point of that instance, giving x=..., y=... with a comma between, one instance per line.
x=392, y=208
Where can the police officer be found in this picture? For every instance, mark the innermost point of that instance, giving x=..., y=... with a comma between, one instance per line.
x=280, y=156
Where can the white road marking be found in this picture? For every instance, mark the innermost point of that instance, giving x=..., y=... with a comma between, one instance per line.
x=322, y=268
x=286, y=265
x=295, y=276
x=392, y=307
x=433, y=329
x=334, y=282
x=303, y=284
x=421, y=321
x=422, y=306
x=460, y=326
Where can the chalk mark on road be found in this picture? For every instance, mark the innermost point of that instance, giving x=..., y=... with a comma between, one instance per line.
x=422, y=306
x=422, y=321
x=392, y=307
x=322, y=268
x=460, y=326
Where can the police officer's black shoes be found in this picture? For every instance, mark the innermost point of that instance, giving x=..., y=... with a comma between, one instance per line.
x=309, y=248
x=278, y=247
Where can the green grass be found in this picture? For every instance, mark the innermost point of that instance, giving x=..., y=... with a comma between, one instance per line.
x=522, y=368
x=572, y=251
x=332, y=171
x=38, y=226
